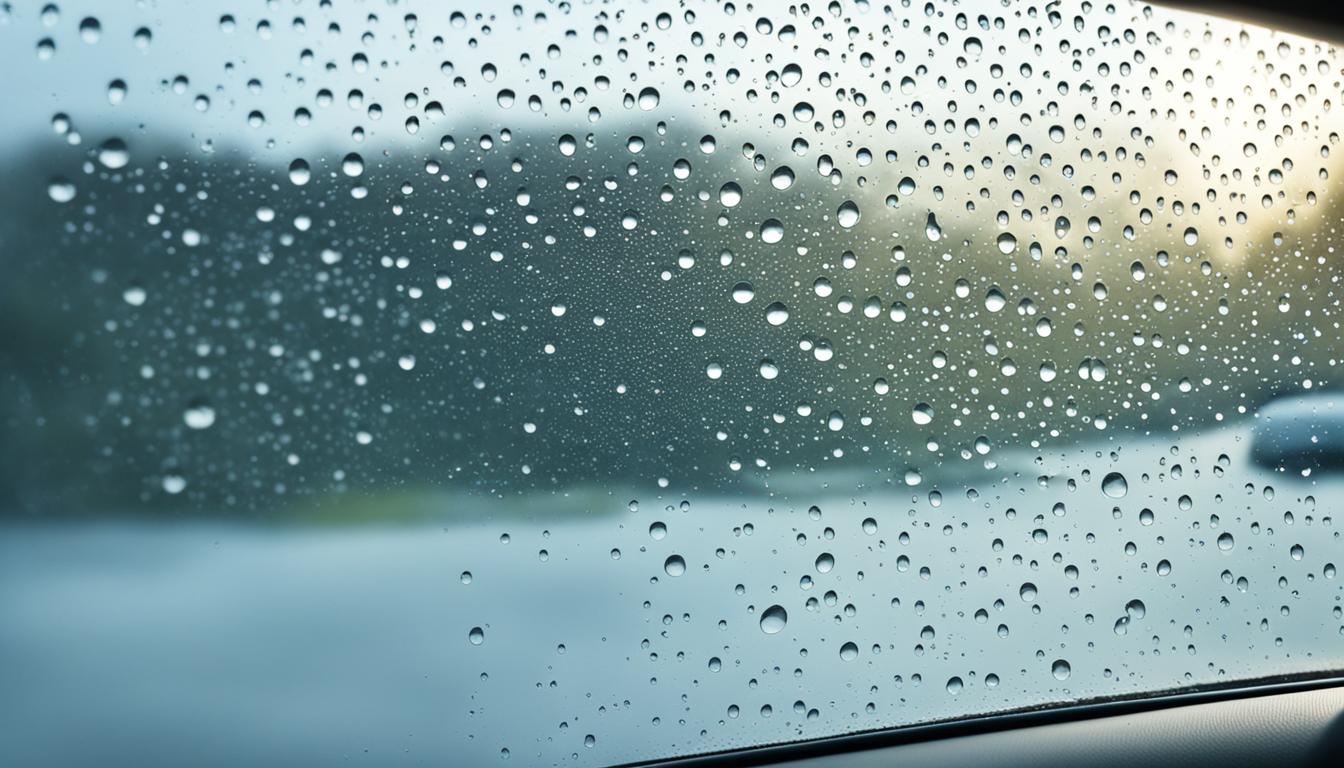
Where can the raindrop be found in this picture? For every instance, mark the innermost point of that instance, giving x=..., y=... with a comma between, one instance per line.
x=847, y=214
x=995, y=301
x=199, y=416
x=61, y=190
x=352, y=165
x=773, y=619
x=922, y=414
x=299, y=173
x=932, y=230
x=730, y=195
x=772, y=231
x=113, y=154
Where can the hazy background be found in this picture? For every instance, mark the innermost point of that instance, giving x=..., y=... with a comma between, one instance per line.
x=272, y=450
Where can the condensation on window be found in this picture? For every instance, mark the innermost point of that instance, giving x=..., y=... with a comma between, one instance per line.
x=582, y=383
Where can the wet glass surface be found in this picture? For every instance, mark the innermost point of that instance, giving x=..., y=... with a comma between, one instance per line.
x=587, y=383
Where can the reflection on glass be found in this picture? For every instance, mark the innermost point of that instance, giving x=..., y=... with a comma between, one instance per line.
x=581, y=384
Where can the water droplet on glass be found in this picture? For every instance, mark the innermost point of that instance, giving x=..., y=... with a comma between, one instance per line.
x=90, y=30
x=848, y=214
x=922, y=414
x=113, y=154
x=772, y=231
x=730, y=195
x=932, y=230
x=352, y=165
x=61, y=190
x=648, y=98
x=299, y=172
x=773, y=619
x=199, y=416
x=1115, y=485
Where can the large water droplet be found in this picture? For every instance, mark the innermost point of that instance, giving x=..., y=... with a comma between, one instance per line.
x=199, y=416
x=772, y=231
x=61, y=190
x=932, y=230
x=1135, y=609
x=1061, y=669
x=113, y=154
x=847, y=214
x=922, y=414
x=773, y=619
x=1115, y=485
x=730, y=195
x=648, y=98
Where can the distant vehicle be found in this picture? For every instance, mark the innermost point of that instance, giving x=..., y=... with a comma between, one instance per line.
x=1300, y=432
